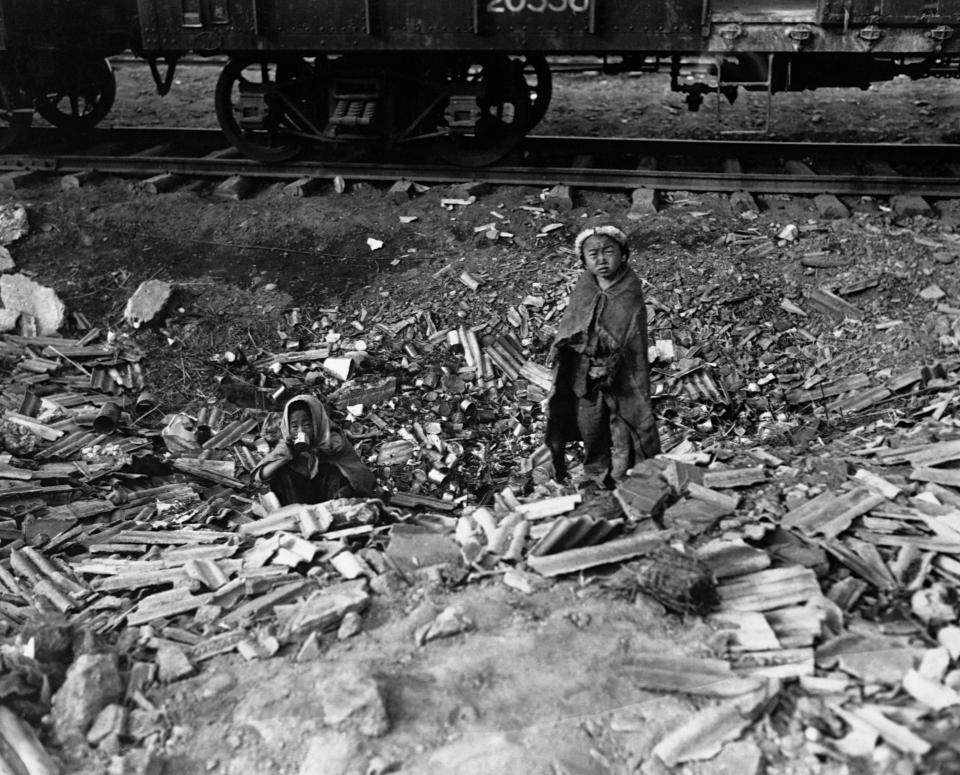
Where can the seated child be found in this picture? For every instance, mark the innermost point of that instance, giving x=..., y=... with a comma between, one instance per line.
x=313, y=462
x=601, y=389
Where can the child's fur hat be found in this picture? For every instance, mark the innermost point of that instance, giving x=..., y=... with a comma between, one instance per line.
x=603, y=229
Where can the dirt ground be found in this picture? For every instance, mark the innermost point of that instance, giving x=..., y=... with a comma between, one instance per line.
x=542, y=682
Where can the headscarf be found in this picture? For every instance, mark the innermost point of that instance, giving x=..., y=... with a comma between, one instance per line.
x=318, y=416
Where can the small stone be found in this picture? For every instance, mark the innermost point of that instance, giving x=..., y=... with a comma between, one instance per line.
x=217, y=684
x=558, y=198
x=644, y=201
x=350, y=625
x=136, y=762
x=21, y=294
x=932, y=292
x=737, y=758
x=743, y=202
x=352, y=697
x=933, y=605
x=8, y=320
x=110, y=721
x=93, y=682
x=6, y=260
x=13, y=223
x=147, y=302
x=172, y=664
x=331, y=753
x=910, y=205
x=830, y=208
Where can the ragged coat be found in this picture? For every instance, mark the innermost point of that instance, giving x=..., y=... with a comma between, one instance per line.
x=617, y=317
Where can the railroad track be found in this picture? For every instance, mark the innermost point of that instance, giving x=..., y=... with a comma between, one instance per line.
x=602, y=163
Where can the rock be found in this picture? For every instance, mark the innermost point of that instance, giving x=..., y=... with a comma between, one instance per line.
x=6, y=260
x=830, y=208
x=353, y=698
x=944, y=257
x=217, y=684
x=645, y=201
x=558, y=198
x=350, y=625
x=934, y=604
x=477, y=188
x=738, y=758
x=172, y=664
x=13, y=223
x=8, y=319
x=93, y=682
x=136, y=762
x=481, y=754
x=909, y=205
x=743, y=202
x=147, y=302
x=332, y=753
x=21, y=294
x=110, y=720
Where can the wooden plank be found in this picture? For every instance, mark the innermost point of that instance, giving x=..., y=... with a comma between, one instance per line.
x=925, y=543
x=574, y=560
x=832, y=304
x=164, y=605
x=728, y=559
x=687, y=675
x=881, y=578
x=949, y=477
x=829, y=514
x=934, y=454
x=735, y=477
x=769, y=589
x=249, y=610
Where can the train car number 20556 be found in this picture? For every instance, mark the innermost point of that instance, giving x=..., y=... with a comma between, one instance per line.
x=538, y=6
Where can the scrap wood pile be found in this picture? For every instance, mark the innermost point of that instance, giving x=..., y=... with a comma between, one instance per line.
x=836, y=589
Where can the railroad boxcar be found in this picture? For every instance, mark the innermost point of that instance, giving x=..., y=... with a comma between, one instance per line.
x=473, y=75
x=53, y=61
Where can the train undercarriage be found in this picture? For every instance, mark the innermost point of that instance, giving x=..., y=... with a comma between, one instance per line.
x=73, y=91
x=468, y=108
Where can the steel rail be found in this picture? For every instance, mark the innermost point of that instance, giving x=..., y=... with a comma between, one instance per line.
x=603, y=176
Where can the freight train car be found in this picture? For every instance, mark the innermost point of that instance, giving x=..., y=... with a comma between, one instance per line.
x=53, y=61
x=471, y=77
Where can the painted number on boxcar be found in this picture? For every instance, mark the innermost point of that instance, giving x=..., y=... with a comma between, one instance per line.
x=538, y=6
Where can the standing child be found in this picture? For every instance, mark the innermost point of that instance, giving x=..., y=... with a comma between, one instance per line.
x=601, y=390
x=313, y=462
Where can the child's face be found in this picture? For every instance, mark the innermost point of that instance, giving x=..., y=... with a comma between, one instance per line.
x=301, y=422
x=602, y=256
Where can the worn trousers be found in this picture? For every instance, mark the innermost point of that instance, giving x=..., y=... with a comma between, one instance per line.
x=607, y=439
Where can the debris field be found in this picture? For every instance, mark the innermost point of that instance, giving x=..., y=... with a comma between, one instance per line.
x=798, y=542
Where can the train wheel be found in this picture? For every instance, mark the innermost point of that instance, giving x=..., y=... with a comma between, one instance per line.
x=85, y=98
x=536, y=72
x=495, y=101
x=16, y=114
x=264, y=106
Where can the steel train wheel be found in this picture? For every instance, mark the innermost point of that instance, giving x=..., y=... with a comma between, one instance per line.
x=84, y=100
x=503, y=115
x=16, y=113
x=257, y=103
x=536, y=72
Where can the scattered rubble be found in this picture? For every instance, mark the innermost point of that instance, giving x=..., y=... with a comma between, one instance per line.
x=806, y=506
